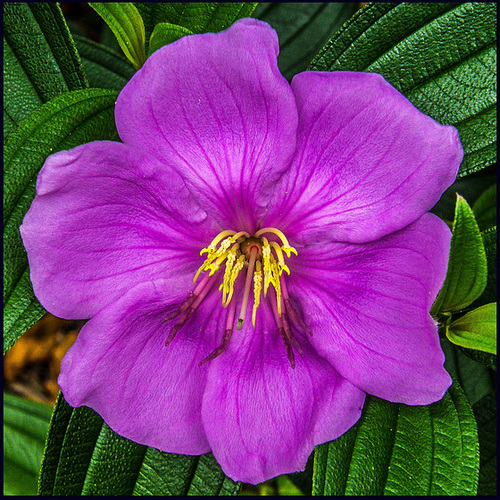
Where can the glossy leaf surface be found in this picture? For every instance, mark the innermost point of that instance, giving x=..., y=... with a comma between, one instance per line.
x=68, y=120
x=25, y=425
x=476, y=329
x=126, y=23
x=40, y=59
x=442, y=56
x=467, y=266
x=105, y=69
x=85, y=457
x=198, y=17
x=396, y=449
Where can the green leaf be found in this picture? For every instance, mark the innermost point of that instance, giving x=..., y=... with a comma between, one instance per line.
x=25, y=425
x=396, y=449
x=104, y=68
x=441, y=56
x=165, y=33
x=467, y=266
x=476, y=329
x=71, y=119
x=474, y=378
x=485, y=412
x=40, y=59
x=303, y=28
x=485, y=208
x=85, y=457
x=126, y=23
x=198, y=17
x=489, y=237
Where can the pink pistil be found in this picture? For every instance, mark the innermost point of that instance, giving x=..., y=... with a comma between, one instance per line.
x=248, y=282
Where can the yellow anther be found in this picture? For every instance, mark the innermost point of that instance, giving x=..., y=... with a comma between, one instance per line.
x=238, y=266
x=257, y=287
x=281, y=261
x=227, y=273
x=266, y=259
x=212, y=247
x=288, y=250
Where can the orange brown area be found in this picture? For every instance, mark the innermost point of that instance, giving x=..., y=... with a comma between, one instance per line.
x=32, y=365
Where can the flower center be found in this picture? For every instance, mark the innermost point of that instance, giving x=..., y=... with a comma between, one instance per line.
x=264, y=260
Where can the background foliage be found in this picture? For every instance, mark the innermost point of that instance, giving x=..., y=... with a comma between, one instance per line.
x=59, y=91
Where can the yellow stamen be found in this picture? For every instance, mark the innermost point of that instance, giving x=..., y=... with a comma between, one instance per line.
x=286, y=246
x=212, y=247
x=238, y=266
x=266, y=259
x=257, y=287
x=281, y=261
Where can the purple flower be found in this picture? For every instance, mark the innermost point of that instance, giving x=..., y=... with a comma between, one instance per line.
x=319, y=260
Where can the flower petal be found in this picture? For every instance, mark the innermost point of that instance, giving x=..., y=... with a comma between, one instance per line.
x=144, y=391
x=368, y=308
x=106, y=218
x=368, y=162
x=216, y=108
x=262, y=418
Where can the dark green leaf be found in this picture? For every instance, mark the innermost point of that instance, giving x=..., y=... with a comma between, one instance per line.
x=68, y=120
x=485, y=208
x=303, y=28
x=104, y=68
x=165, y=33
x=467, y=266
x=476, y=329
x=198, y=17
x=475, y=379
x=40, y=59
x=85, y=457
x=442, y=56
x=25, y=425
x=489, y=237
x=126, y=23
x=396, y=449
x=485, y=412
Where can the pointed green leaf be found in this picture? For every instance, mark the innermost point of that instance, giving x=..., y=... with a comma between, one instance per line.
x=198, y=17
x=40, y=59
x=126, y=23
x=303, y=28
x=104, y=68
x=396, y=449
x=442, y=56
x=485, y=208
x=85, y=457
x=485, y=411
x=165, y=33
x=476, y=329
x=25, y=425
x=467, y=266
x=65, y=122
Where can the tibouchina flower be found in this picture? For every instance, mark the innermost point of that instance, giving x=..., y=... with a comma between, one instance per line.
x=255, y=256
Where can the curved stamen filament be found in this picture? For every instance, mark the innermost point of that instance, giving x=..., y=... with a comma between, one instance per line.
x=272, y=230
x=213, y=246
